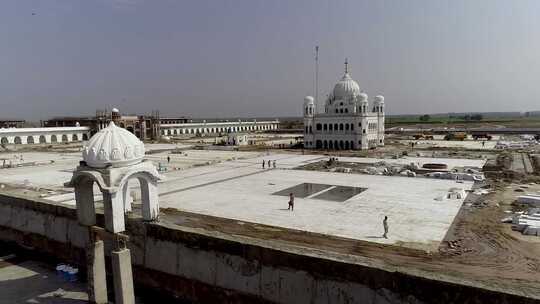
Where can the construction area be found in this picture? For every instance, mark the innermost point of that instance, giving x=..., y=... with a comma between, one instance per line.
x=460, y=211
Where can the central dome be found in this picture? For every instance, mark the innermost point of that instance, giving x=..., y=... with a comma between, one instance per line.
x=346, y=87
x=113, y=146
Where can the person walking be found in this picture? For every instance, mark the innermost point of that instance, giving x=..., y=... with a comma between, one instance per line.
x=274, y=163
x=268, y=164
x=385, y=225
x=168, y=159
x=291, y=202
x=263, y=163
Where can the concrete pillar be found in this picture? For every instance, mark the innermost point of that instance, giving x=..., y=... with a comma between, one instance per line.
x=84, y=199
x=113, y=205
x=128, y=200
x=123, y=277
x=97, y=284
x=150, y=200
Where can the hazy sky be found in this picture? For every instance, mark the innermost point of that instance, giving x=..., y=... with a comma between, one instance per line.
x=256, y=58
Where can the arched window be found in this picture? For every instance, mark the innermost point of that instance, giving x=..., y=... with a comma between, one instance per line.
x=352, y=127
x=346, y=110
x=318, y=144
x=330, y=145
x=346, y=127
x=341, y=145
x=307, y=129
x=54, y=139
x=325, y=127
x=325, y=145
x=336, y=146
x=335, y=127
x=319, y=127
x=337, y=111
x=310, y=129
x=30, y=140
x=346, y=145
x=340, y=110
x=330, y=127
x=341, y=127
x=17, y=140
x=64, y=138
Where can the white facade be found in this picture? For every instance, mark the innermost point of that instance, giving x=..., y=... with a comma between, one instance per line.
x=23, y=136
x=218, y=127
x=347, y=122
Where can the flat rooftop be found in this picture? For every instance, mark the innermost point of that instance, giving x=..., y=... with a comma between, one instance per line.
x=233, y=185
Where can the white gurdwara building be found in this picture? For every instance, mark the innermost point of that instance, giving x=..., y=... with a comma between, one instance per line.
x=347, y=122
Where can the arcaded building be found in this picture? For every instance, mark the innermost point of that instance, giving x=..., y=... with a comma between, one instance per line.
x=348, y=121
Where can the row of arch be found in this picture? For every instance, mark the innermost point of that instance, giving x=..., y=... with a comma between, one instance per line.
x=218, y=129
x=42, y=139
x=336, y=127
x=336, y=144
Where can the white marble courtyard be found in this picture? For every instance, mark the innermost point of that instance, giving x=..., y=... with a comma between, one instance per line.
x=235, y=186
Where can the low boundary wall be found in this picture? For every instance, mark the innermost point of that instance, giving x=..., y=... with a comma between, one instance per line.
x=210, y=267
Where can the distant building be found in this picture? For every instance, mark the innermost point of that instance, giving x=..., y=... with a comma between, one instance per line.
x=347, y=122
x=154, y=126
x=11, y=123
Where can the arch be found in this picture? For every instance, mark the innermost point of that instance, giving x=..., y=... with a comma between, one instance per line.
x=336, y=127
x=351, y=145
x=346, y=145
x=17, y=140
x=318, y=144
x=85, y=136
x=330, y=145
x=329, y=127
x=325, y=127
x=346, y=127
x=336, y=146
x=310, y=129
x=4, y=141
x=64, y=138
x=54, y=138
x=341, y=127
x=325, y=144
x=319, y=127
x=30, y=140
x=42, y=139
x=352, y=127
x=341, y=145
x=148, y=194
x=74, y=137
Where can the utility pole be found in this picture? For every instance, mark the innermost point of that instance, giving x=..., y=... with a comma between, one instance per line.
x=316, y=77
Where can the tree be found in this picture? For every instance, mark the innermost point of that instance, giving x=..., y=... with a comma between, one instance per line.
x=477, y=117
x=425, y=117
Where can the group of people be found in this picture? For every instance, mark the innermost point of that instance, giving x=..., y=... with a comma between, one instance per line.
x=270, y=163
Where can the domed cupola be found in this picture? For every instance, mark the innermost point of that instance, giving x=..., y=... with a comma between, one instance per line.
x=113, y=146
x=346, y=88
x=309, y=100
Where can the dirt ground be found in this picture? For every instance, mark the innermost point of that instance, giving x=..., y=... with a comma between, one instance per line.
x=478, y=247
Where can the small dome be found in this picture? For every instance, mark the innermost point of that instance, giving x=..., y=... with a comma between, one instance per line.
x=346, y=87
x=308, y=100
x=362, y=97
x=115, y=110
x=379, y=99
x=113, y=146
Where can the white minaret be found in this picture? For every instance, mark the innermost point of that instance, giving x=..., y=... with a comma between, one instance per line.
x=309, y=112
x=379, y=109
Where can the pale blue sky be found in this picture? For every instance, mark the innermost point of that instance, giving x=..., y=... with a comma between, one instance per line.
x=255, y=58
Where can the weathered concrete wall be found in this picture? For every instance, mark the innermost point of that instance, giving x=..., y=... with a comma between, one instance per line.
x=208, y=267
